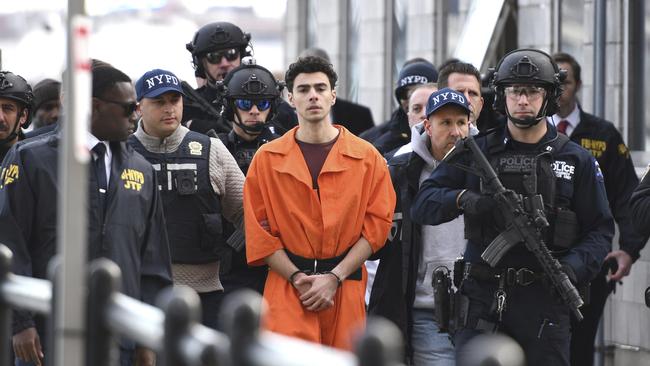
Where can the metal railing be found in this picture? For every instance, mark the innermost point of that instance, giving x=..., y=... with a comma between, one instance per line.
x=173, y=330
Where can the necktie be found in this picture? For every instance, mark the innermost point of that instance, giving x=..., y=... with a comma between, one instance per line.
x=561, y=127
x=100, y=167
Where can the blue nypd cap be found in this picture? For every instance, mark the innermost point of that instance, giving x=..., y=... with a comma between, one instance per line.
x=445, y=97
x=156, y=82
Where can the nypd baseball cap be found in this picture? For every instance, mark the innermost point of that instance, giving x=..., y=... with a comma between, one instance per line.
x=157, y=82
x=445, y=97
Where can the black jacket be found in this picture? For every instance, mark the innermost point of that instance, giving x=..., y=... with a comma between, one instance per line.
x=391, y=134
x=605, y=143
x=393, y=290
x=579, y=182
x=355, y=117
x=130, y=231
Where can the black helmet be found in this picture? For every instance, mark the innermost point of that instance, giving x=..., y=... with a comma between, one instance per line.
x=415, y=73
x=14, y=87
x=250, y=81
x=528, y=66
x=217, y=36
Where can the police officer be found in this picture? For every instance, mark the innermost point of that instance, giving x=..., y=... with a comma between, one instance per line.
x=125, y=216
x=396, y=132
x=532, y=159
x=251, y=96
x=47, y=102
x=402, y=290
x=199, y=181
x=217, y=48
x=605, y=143
x=15, y=109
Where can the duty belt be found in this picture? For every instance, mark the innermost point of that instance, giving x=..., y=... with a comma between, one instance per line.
x=315, y=266
x=512, y=276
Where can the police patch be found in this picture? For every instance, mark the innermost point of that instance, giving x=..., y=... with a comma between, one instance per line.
x=195, y=148
x=599, y=173
x=133, y=179
x=9, y=175
x=563, y=170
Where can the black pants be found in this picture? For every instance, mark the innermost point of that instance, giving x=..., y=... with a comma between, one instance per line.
x=533, y=317
x=583, y=333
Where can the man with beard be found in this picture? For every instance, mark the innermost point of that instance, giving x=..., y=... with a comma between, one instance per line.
x=218, y=48
x=15, y=109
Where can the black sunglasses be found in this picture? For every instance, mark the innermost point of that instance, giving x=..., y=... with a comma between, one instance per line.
x=127, y=107
x=215, y=57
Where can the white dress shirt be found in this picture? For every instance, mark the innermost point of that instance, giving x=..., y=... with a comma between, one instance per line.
x=91, y=142
x=573, y=119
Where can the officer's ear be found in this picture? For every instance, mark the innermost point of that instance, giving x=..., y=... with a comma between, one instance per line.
x=23, y=117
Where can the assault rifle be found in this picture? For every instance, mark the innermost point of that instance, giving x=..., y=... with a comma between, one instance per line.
x=523, y=226
x=195, y=99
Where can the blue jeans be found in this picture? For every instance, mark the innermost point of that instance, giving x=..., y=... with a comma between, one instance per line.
x=430, y=348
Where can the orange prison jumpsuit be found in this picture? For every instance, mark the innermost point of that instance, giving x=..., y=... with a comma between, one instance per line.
x=356, y=199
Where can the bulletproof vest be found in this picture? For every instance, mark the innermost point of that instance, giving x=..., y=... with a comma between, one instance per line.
x=192, y=208
x=530, y=174
x=242, y=150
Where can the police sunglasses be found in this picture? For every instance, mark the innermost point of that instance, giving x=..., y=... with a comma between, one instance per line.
x=215, y=57
x=128, y=107
x=247, y=104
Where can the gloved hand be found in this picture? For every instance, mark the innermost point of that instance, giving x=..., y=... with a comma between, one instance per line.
x=476, y=203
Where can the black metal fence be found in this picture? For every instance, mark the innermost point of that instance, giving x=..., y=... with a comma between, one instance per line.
x=173, y=330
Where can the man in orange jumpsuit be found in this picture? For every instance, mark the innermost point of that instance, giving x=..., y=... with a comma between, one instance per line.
x=318, y=202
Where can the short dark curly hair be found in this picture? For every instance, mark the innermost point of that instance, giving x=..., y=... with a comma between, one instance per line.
x=308, y=65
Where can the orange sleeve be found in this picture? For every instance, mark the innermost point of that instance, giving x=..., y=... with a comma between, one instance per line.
x=259, y=242
x=381, y=205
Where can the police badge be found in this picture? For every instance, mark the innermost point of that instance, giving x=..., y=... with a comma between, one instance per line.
x=195, y=148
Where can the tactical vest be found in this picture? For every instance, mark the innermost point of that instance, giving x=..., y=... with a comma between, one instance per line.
x=529, y=173
x=192, y=208
x=242, y=150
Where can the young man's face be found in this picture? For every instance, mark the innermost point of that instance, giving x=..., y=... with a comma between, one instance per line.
x=162, y=115
x=113, y=111
x=524, y=100
x=468, y=85
x=220, y=62
x=312, y=96
x=444, y=128
x=9, y=110
x=571, y=87
x=418, y=105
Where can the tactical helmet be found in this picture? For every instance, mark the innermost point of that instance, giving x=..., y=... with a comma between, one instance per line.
x=14, y=87
x=528, y=66
x=217, y=36
x=415, y=73
x=249, y=81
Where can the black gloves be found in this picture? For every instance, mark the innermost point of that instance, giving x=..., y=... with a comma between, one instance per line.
x=476, y=204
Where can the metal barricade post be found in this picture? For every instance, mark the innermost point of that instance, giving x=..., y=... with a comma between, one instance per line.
x=5, y=309
x=105, y=280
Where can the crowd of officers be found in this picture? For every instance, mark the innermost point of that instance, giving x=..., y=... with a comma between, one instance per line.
x=231, y=186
